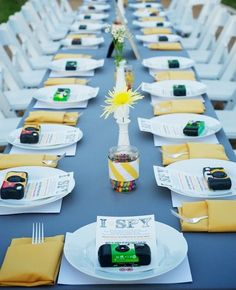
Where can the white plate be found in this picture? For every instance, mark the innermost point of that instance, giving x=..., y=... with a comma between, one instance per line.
x=85, y=41
x=82, y=64
x=92, y=16
x=145, y=5
x=164, y=89
x=96, y=7
x=161, y=62
x=44, y=128
x=212, y=125
x=195, y=166
x=147, y=24
x=79, y=250
x=146, y=13
x=34, y=172
x=152, y=38
x=89, y=26
x=79, y=93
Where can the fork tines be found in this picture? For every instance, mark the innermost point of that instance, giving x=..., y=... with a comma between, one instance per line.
x=37, y=233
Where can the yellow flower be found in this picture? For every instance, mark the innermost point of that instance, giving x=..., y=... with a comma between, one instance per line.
x=117, y=99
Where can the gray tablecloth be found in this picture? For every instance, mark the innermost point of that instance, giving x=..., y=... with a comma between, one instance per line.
x=212, y=256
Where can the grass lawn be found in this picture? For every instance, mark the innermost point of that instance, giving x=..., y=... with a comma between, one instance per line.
x=231, y=3
x=9, y=7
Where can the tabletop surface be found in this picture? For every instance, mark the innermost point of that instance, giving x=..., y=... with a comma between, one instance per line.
x=211, y=256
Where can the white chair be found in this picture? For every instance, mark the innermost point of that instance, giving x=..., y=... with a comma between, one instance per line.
x=227, y=119
x=13, y=95
x=30, y=49
x=15, y=60
x=203, y=29
x=39, y=32
x=6, y=126
x=215, y=44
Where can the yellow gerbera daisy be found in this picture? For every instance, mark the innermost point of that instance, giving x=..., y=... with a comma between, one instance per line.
x=119, y=98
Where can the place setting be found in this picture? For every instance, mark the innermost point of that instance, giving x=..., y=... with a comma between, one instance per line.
x=147, y=13
x=99, y=7
x=64, y=96
x=82, y=42
x=151, y=24
x=87, y=27
x=169, y=38
x=92, y=16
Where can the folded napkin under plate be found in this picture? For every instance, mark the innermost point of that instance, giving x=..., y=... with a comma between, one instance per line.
x=174, y=75
x=156, y=30
x=221, y=216
x=65, y=81
x=67, y=118
x=192, y=150
x=179, y=106
x=71, y=55
x=165, y=46
x=29, y=265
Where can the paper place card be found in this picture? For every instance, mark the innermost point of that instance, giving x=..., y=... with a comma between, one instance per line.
x=145, y=125
x=48, y=187
x=127, y=231
x=179, y=181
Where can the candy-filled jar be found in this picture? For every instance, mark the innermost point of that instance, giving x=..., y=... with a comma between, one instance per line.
x=123, y=162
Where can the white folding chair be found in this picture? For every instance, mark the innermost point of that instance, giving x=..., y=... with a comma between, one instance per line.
x=13, y=95
x=30, y=49
x=215, y=44
x=14, y=59
x=6, y=126
x=227, y=119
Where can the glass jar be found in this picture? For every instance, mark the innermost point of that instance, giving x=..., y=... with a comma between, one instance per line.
x=123, y=164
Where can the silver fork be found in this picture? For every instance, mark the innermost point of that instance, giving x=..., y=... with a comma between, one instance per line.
x=174, y=155
x=38, y=233
x=193, y=220
x=50, y=162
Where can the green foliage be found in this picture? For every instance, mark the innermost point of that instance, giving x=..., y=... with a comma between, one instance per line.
x=231, y=3
x=9, y=7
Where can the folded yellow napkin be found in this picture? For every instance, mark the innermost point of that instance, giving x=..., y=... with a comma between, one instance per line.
x=64, y=81
x=165, y=46
x=32, y=265
x=179, y=106
x=156, y=30
x=192, y=150
x=174, y=75
x=71, y=55
x=154, y=18
x=68, y=118
x=80, y=35
x=16, y=160
x=221, y=216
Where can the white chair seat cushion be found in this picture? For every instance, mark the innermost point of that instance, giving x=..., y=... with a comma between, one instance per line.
x=227, y=118
x=208, y=71
x=190, y=43
x=19, y=99
x=220, y=90
x=32, y=79
x=40, y=62
x=200, y=55
x=6, y=126
x=50, y=47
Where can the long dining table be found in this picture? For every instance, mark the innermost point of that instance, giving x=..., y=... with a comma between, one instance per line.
x=212, y=256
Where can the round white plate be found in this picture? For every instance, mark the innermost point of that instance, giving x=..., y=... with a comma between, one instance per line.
x=195, y=166
x=85, y=41
x=145, y=5
x=34, y=172
x=161, y=62
x=89, y=26
x=152, y=38
x=79, y=250
x=146, y=13
x=79, y=93
x=82, y=64
x=164, y=89
x=97, y=7
x=147, y=24
x=92, y=16
x=44, y=128
x=212, y=125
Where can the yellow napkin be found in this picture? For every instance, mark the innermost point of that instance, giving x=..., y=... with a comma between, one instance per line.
x=80, y=35
x=64, y=81
x=153, y=18
x=174, y=75
x=32, y=265
x=36, y=117
x=221, y=216
x=71, y=55
x=179, y=106
x=15, y=160
x=192, y=150
x=165, y=46
x=157, y=30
